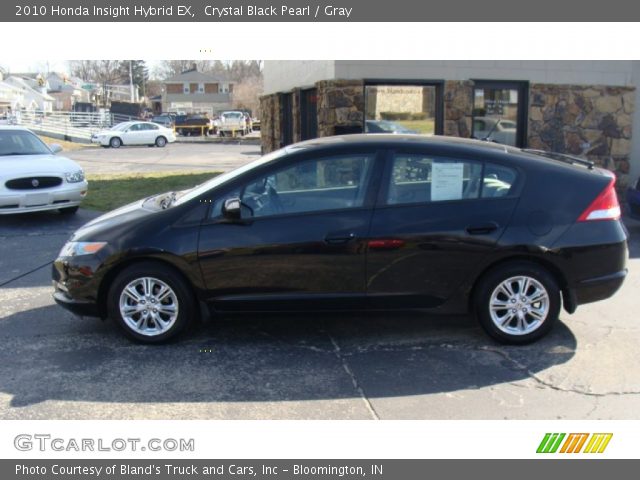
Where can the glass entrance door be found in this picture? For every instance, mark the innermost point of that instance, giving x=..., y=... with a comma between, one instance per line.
x=499, y=112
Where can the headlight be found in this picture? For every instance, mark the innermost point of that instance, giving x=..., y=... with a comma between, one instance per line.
x=74, y=249
x=75, y=177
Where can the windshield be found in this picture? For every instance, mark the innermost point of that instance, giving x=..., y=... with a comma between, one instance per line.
x=121, y=126
x=232, y=115
x=187, y=195
x=21, y=142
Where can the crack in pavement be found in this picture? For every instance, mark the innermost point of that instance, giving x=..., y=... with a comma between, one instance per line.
x=520, y=367
x=22, y=275
x=354, y=380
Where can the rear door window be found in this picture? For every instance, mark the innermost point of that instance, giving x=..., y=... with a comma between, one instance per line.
x=417, y=178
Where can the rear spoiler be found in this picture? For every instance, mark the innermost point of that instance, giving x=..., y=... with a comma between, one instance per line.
x=562, y=157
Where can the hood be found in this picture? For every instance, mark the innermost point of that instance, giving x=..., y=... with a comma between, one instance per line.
x=117, y=222
x=27, y=165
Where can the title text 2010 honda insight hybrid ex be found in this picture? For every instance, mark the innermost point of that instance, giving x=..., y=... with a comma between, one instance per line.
x=365, y=222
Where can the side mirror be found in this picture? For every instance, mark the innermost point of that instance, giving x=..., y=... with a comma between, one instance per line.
x=55, y=148
x=232, y=209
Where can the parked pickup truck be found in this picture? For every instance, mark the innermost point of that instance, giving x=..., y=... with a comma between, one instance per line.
x=193, y=125
x=232, y=123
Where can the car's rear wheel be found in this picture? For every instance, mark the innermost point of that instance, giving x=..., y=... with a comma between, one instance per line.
x=517, y=302
x=115, y=142
x=161, y=142
x=151, y=302
x=68, y=210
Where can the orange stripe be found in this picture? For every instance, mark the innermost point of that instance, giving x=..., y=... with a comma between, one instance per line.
x=566, y=443
x=582, y=440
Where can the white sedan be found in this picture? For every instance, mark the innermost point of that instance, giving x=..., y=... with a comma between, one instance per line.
x=135, y=133
x=33, y=178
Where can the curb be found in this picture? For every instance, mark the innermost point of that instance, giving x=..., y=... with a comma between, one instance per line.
x=232, y=141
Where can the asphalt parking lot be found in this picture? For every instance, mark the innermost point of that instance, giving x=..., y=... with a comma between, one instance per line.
x=357, y=366
x=194, y=157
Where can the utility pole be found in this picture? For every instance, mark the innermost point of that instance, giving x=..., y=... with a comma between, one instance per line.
x=131, y=80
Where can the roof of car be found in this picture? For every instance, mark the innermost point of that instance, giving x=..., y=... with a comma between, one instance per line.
x=402, y=139
x=453, y=144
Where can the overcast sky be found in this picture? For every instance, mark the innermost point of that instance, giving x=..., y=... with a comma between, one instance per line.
x=23, y=66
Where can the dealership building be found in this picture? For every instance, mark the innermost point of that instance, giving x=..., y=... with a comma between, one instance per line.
x=583, y=108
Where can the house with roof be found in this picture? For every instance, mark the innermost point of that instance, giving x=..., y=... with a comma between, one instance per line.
x=66, y=91
x=32, y=92
x=196, y=92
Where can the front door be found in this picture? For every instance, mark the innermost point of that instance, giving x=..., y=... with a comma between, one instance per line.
x=301, y=239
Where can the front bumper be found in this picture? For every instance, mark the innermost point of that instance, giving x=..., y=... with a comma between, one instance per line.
x=77, y=307
x=17, y=201
x=76, y=284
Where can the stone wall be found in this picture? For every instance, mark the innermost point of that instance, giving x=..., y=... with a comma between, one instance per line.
x=270, y=122
x=295, y=106
x=590, y=121
x=340, y=104
x=458, y=108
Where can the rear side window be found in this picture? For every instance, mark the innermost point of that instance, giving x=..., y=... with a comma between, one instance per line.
x=420, y=179
x=497, y=181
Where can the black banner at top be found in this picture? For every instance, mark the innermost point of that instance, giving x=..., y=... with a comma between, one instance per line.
x=319, y=11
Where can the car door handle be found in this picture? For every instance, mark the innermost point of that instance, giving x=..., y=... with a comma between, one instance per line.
x=482, y=229
x=339, y=238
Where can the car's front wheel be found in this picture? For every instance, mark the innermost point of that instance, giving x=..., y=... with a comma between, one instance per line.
x=115, y=142
x=151, y=302
x=518, y=302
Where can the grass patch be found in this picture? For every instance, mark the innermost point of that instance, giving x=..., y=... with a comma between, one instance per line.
x=66, y=146
x=107, y=192
x=420, y=126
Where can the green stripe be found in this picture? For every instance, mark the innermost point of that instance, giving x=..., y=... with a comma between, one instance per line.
x=543, y=442
x=558, y=442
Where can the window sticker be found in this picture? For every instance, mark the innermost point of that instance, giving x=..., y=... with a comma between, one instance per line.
x=447, y=180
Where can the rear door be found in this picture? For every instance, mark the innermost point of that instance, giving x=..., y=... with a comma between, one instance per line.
x=436, y=218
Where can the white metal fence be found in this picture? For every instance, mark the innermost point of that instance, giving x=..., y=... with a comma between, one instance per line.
x=77, y=126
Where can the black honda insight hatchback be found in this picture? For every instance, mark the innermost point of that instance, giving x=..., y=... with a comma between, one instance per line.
x=359, y=222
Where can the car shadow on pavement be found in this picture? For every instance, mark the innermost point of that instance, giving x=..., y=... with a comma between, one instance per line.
x=48, y=354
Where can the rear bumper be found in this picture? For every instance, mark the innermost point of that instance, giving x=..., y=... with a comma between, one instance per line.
x=598, y=288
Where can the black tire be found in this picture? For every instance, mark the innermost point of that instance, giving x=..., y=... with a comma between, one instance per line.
x=519, y=330
x=161, y=142
x=180, y=298
x=115, y=142
x=68, y=210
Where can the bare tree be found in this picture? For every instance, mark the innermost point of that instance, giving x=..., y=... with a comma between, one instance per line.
x=99, y=71
x=235, y=70
x=170, y=68
x=246, y=94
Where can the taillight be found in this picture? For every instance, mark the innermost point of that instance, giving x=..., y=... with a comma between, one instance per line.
x=604, y=207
